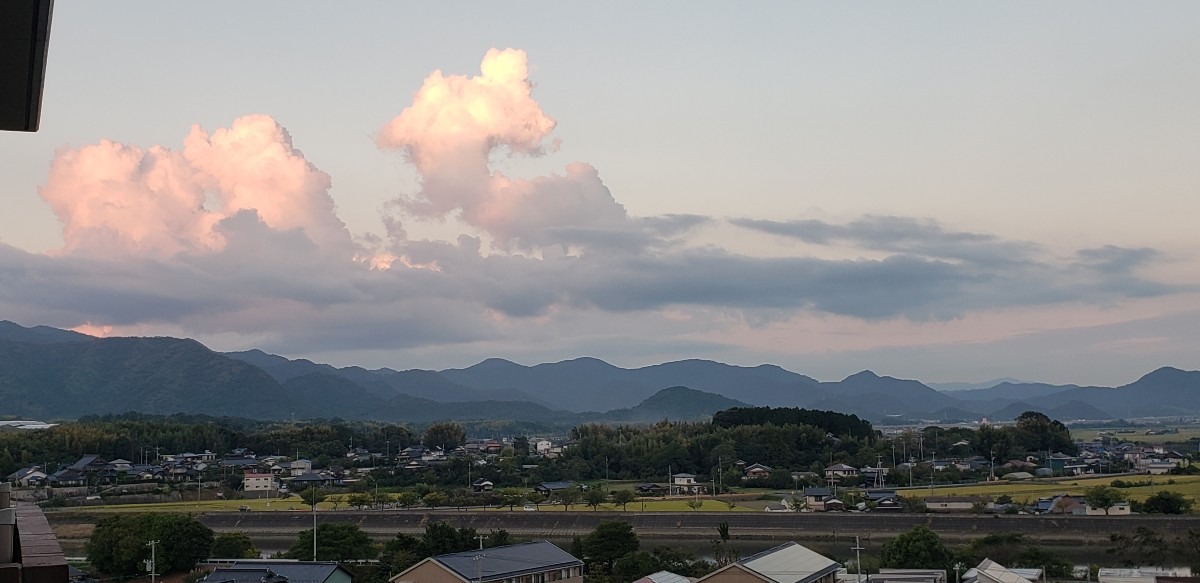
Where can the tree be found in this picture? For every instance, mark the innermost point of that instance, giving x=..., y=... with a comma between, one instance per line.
x=118, y=544
x=695, y=504
x=623, y=497
x=407, y=499
x=510, y=497
x=1167, y=502
x=1103, y=497
x=233, y=545
x=1188, y=548
x=567, y=497
x=434, y=499
x=336, y=541
x=497, y=538
x=919, y=548
x=594, y=498
x=610, y=541
x=312, y=496
x=445, y=435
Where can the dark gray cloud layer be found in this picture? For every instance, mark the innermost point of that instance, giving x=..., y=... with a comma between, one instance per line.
x=279, y=287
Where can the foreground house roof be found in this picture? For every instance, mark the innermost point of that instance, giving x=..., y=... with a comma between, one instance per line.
x=506, y=562
x=787, y=563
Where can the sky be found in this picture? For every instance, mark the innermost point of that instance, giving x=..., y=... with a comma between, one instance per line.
x=932, y=190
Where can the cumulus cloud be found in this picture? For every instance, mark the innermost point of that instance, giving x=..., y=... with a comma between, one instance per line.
x=452, y=127
x=117, y=199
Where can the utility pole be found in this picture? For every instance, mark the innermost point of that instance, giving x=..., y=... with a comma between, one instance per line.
x=481, y=538
x=475, y=559
x=153, y=559
x=314, y=513
x=857, y=559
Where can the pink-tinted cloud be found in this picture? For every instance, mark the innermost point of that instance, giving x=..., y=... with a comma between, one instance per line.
x=116, y=199
x=453, y=125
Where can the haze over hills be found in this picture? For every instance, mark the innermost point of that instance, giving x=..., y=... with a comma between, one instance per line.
x=51, y=373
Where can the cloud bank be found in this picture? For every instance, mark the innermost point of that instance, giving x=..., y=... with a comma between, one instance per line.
x=235, y=236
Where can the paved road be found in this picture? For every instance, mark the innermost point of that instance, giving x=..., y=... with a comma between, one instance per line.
x=702, y=525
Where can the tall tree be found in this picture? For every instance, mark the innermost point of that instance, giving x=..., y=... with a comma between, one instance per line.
x=233, y=545
x=336, y=541
x=623, y=497
x=1167, y=502
x=118, y=543
x=610, y=541
x=919, y=548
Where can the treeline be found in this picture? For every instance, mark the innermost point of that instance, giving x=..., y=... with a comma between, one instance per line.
x=831, y=421
x=135, y=436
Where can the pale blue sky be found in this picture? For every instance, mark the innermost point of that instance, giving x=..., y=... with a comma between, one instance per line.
x=1061, y=126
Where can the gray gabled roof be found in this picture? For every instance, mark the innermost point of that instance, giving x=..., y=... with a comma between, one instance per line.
x=295, y=571
x=790, y=563
x=508, y=561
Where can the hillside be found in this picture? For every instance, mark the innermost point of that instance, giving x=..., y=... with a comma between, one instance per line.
x=675, y=404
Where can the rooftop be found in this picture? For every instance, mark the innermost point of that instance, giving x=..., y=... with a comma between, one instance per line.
x=508, y=561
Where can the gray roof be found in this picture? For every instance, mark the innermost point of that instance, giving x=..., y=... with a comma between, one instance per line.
x=295, y=571
x=790, y=563
x=245, y=575
x=663, y=577
x=508, y=561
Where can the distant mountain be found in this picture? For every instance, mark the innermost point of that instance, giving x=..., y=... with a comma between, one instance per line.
x=676, y=404
x=51, y=373
x=385, y=382
x=589, y=384
x=113, y=375
x=1012, y=391
x=953, y=387
x=39, y=334
x=871, y=396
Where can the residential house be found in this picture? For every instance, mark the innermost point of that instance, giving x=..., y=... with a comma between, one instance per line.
x=88, y=463
x=300, y=467
x=788, y=563
x=550, y=488
x=821, y=499
x=953, y=503
x=542, y=446
x=28, y=477
x=244, y=575
x=649, y=489
x=254, y=482
x=119, y=465
x=296, y=571
x=684, y=483
x=532, y=562
x=991, y=572
x=840, y=471
x=482, y=485
x=909, y=576
x=663, y=577
x=66, y=477
x=756, y=471
x=309, y=479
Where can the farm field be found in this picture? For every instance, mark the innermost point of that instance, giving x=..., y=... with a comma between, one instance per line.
x=1186, y=432
x=1189, y=486
x=294, y=504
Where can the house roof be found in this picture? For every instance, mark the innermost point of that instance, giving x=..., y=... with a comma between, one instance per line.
x=297, y=571
x=790, y=563
x=993, y=572
x=245, y=575
x=821, y=491
x=84, y=462
x=757, y=466
x=663, y=577
x=310, y=477
x=554, y=485
x=841, y=468
x=508, y=561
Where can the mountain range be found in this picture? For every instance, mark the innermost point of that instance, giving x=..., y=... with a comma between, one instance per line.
x=55, y=374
